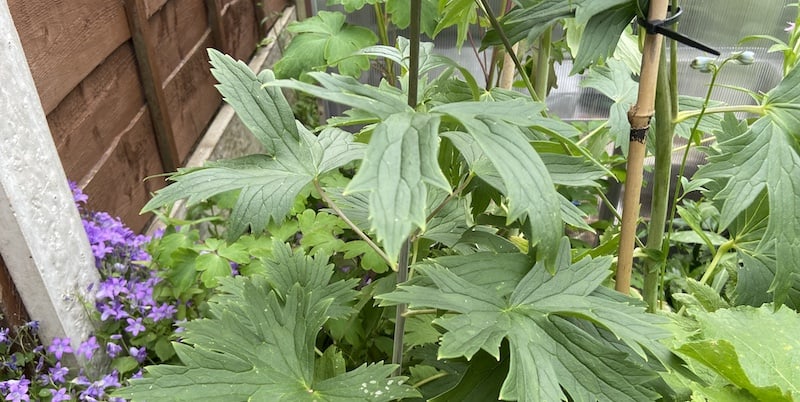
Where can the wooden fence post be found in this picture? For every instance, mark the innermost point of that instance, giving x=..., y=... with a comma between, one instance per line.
x=42, y=240
x=144, y=46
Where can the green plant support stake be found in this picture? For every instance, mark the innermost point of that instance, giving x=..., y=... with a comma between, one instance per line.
x=639, y=116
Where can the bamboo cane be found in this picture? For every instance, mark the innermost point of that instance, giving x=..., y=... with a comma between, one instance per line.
x=639, y=117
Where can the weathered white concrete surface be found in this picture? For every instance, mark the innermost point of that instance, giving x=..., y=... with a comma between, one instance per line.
x=41, y=237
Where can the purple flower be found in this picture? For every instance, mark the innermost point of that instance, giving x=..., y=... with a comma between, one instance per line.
x=112, y=287
x=59, y=347
x=60, y=395
x=58, y=373
x=138, y=353
x=115, y=311
x=33, y=325
x=135, y=326
x=4, y=335
x=17, y=389
x=88, y=347
x=112, y=349
x=112, y=380
x=162, y=312
x=138, y=374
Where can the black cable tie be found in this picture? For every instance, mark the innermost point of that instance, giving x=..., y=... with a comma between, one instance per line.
x=639, y=134
x=660, y=27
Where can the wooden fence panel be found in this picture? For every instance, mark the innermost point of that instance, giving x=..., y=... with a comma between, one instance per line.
x=65, y=40
x=240, y=24
x=191, y=97
x=118, y=186
x=176, y=29
x=95, y=81
x=89, y=120
x=152, y=6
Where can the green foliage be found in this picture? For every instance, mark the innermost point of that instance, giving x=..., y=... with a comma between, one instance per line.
x=563, y=330
x=258, y=343
x=481, y=183
x=325, y=40
x=755, y=350
x=268, y=183
x=764, y=156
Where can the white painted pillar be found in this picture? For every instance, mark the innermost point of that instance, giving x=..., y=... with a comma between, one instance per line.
x=41, y=236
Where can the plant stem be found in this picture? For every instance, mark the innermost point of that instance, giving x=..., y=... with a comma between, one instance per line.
x=402, y=262
x=543, y=64
x=684, y=158
x=350, y=223
x=383, y=33
x=430, y=379
x=755, y=109
x=673, y=65
x=509, y=48
x=721, y=251
x=639, y=116
x=661, y=179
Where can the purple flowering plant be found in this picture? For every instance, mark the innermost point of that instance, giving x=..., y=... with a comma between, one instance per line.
x=133, y=327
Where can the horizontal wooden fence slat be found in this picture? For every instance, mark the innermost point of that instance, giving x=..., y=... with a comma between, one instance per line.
x=144, y=44
x=191, y=97
x=152, y=6
x=241, y=26
x=87, y=121
x=135, y=154
x=55, y=35
x=176, y=28
x=215, y=23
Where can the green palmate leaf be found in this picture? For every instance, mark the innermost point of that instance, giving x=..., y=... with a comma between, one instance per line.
x=461, y=13
x=450, y=223
x=269, y=184
x=603, y=30
x=353, y=5
x=526, y=182
x=763, y=158
x=551, y=323
x=614, y=81
x=401, y=15
x=401, y=162
x=755, y=349
x=531, y=20
x=380, y=102
x=258, y=344
x=325, y=40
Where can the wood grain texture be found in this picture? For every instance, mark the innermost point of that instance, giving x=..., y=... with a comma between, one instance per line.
x=11, y=307
x=117, y=185
x=88, y=120
x=65, y=40
x=176, y=28
x=192, y=98
x=239, y=22
x=152, y=6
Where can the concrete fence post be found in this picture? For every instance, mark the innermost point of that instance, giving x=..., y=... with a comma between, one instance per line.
x=42, y=240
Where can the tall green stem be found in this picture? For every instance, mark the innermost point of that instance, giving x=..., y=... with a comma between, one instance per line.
x=661, y=179
x=402, y=262
x=383, y=34
x=509, y=47
x=543, y=64
x=673, y=65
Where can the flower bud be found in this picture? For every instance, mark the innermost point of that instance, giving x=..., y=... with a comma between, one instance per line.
x=702, y=64
x=745, y=58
